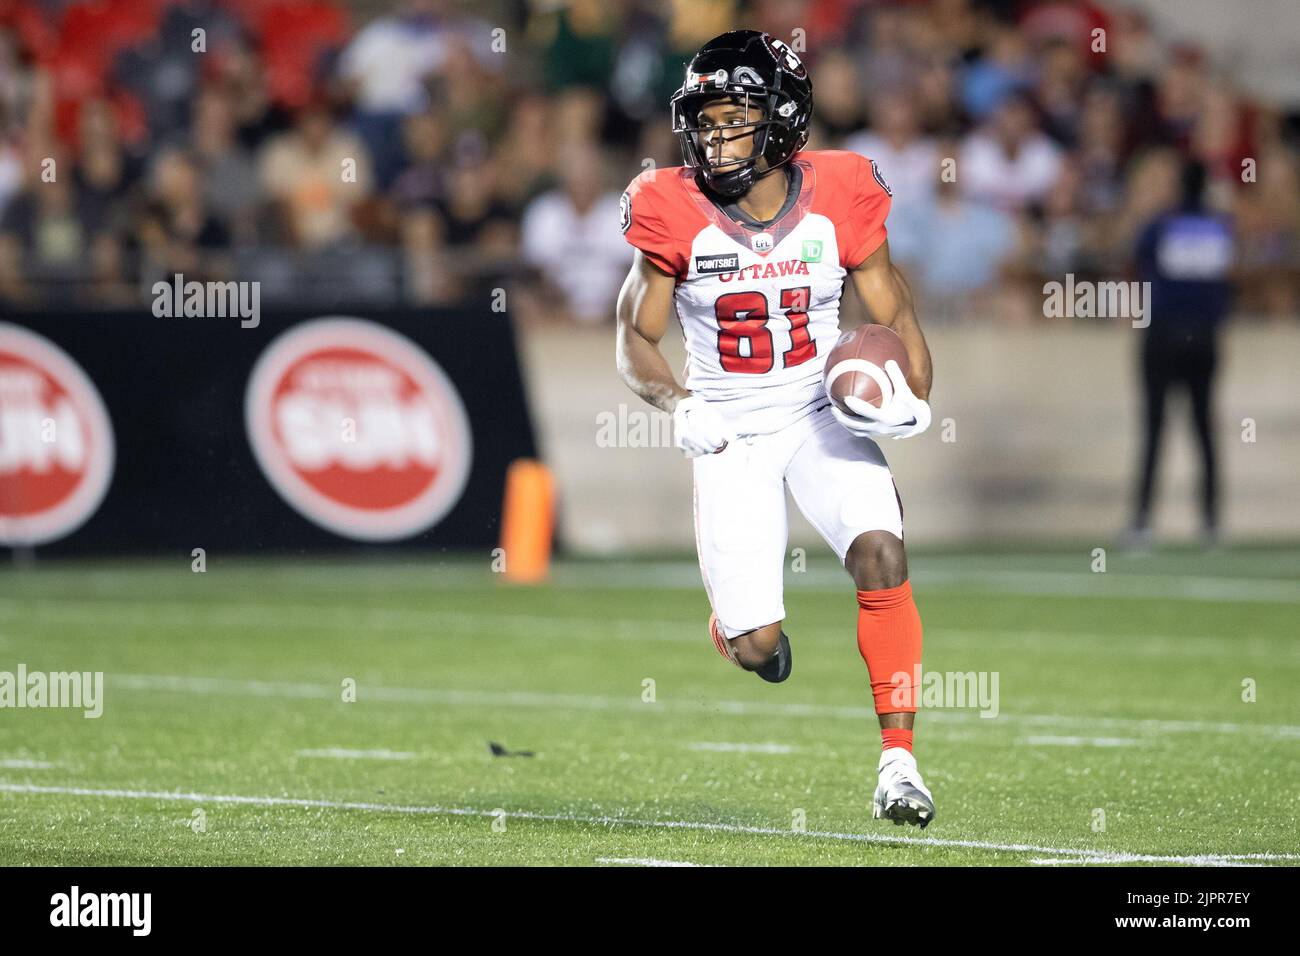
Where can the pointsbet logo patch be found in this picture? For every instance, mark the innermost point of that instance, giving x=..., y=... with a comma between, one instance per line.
x=56, y=441
x=358, y=429
x=711, y=265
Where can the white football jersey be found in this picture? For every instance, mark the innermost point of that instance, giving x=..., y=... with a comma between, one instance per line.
x=759, y=302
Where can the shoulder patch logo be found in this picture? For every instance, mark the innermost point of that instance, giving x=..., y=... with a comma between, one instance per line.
x=875, y=171
x=625, y=212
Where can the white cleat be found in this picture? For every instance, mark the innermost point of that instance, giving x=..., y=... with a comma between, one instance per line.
x=901, y=795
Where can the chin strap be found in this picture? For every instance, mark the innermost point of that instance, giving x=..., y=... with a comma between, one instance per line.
x=738, y=181
x=744, y=186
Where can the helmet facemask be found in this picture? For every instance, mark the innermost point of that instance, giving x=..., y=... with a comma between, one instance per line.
x=733, y=176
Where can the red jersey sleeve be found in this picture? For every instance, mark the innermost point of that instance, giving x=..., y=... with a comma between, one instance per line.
x=645, y=212
x=861, y=231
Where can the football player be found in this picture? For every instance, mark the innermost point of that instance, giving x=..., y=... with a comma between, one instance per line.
x=751, y=241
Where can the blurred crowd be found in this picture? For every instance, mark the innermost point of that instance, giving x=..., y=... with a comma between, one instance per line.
x=430, y=151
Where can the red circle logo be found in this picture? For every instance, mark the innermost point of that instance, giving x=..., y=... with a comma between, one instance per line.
x=56, y=441
x=358, y=429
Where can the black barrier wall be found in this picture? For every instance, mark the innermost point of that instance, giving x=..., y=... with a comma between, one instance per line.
x=185, y=474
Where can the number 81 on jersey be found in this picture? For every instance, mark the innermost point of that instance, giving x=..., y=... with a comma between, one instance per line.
x=745, y=341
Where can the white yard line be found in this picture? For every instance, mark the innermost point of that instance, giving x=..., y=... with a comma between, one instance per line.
x=643, y=861
x=1049, y=741
x=340, y=753
x=608, y=821
x=1118, y=584
x=1124, y=643
x=354, y=618
x=1107, y=859
x=723, y=747
x=633, y=703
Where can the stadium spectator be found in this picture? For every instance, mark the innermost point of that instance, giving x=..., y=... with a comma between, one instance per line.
x=177, y=230
x=386, y=68
x=1102, y=148
x=1058, y=91
x=43, y=237
x=241, y=77
x=910, y=163
x=15, y=83
x=571, y=236
x=11, y=171
x=839, y=107
x=578, y=41
x=475, y=221
x=1010, y=162
x=105, y=171
x=229, y=173
x=988, y=84
x=528, y=149
x=422, y=180
x=1267, y=216
x=317, y=174
x=961, y=248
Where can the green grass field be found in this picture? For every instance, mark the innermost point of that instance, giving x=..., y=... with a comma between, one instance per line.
x=225, y=739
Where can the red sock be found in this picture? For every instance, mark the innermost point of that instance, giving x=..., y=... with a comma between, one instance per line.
x=889, y=639
x=896, y=737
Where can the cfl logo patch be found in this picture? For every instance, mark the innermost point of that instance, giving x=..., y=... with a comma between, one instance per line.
x=625, y=212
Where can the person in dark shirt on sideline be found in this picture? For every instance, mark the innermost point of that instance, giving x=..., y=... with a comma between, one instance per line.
x=1186, y=254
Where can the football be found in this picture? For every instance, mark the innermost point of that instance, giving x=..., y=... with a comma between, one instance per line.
x=856, y=365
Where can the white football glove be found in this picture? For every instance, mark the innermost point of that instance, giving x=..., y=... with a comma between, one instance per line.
x=699, y=429
x=903, y=416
